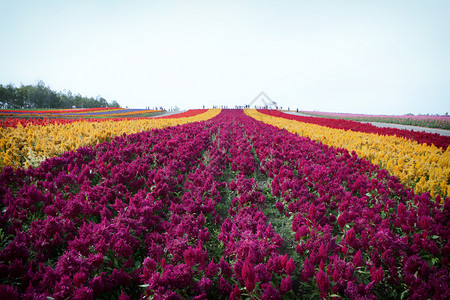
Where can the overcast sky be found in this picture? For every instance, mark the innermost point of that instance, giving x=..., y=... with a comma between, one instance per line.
x=389, y=57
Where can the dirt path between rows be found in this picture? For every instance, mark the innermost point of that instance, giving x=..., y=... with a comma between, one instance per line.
x=391, y=125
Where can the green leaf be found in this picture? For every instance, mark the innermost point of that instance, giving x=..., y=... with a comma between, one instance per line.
x=404, y=294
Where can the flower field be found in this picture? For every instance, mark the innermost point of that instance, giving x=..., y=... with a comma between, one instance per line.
x=431, y=121
x=223, y=206
x=412, y=157
x=29, y=145
x=14, y=120
x=87, y=112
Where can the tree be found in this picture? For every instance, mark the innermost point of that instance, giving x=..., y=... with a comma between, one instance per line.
x=41, y=96
x=7, y=95
x=23, y=97
x=114, y=103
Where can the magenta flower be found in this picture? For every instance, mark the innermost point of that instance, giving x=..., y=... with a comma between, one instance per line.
x=286, y=285
x=312, y=213
x=279, y=205
x=205, y=284
x=262, y=274
x=377, y=275
x=270, y=293
x=211, y=269
x=8, y=292
x=236, y=294
x=163, y=263
x=323, y=283
x=290, y=266
x=357, y=259
x=322, y=252
x=83, y=293
x=225, y=287
x=350, y=238
x=225, y=267
x=123, y=296
x=308, y=271
x=248, y=274
x=79, y=278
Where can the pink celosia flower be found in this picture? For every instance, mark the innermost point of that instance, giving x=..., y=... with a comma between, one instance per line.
x=323, y=283
x=290, y=266
x=350, y=238
x=248, y=274
x=286, y=285
x=377, y=275
x=79, y=278
x=357, y=259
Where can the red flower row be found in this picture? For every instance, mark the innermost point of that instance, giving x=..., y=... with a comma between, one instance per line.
x=421, y=137
x=14, y=122
x=58, y=111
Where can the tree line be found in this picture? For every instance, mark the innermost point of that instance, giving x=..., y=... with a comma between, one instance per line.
x=41, y=96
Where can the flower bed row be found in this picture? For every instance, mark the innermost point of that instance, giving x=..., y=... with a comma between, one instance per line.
x=14, y=122
x=95, y=112
x=225, y=208
x=57, y=111
x=114, y=113
x=425, y=168
x=25, y=146
x=435, y=139
x=431, y=121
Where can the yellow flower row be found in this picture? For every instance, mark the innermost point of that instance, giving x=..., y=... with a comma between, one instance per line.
x=30, y=145
x=418, y=166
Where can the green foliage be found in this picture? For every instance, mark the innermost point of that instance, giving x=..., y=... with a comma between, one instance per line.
x=41, y=96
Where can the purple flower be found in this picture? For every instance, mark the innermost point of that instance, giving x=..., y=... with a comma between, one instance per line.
x=8, y=292
x=286, y=285
x=279, y=205
x=79, y=278
x=290, y=266
x=323, y=283
x=236, y=294
x=357, y=259
x=119, y=277
x=322, y=252
x=83, y=293
x=248, y=274
x=123, y=296
x=377, y=275
x=312, y=213
x=64, y=288
x=262, y=275
x=350, y=238
x=270, y=293
x=205, y=284
x=225, y=267
x=98, y=284
x=211, y=269
x=225, y=287
x=308, y=271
